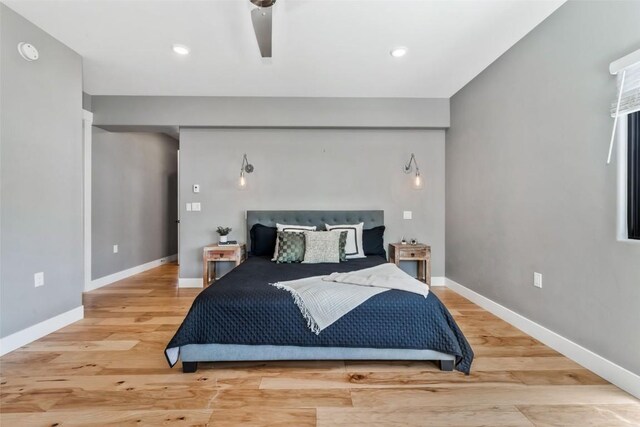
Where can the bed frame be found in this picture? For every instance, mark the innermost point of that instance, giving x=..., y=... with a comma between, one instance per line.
x=192, y=354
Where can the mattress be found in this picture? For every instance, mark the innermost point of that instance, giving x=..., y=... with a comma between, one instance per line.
x=242, y=308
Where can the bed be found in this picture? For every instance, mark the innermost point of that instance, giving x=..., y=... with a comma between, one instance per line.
x=243, y=318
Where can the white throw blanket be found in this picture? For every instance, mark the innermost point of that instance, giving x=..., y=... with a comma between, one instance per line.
x=325, y=299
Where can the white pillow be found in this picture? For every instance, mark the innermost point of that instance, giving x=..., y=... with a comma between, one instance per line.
x=292, y=229
x=354, y=247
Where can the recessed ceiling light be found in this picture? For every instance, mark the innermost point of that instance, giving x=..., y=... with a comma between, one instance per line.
x=180, y=49
x=398, y=52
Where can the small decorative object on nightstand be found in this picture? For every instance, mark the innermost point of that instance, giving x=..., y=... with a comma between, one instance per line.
x=223, y=232
x=216, y=252
x=418, y=252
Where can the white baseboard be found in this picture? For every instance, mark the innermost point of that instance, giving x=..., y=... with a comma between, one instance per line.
x=438, y=281
x=39, y=330
x=190, y=283
x=106, y=280
x=621, y=377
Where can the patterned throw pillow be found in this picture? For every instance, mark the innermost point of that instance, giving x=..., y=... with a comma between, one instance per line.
x=290, y=247
x=290, y=228
x=321, y=246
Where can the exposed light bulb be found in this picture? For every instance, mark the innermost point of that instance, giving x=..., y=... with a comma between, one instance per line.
x=417, y=181
x=243, y=181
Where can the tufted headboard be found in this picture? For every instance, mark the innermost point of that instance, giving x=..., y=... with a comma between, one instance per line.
x=317, y=218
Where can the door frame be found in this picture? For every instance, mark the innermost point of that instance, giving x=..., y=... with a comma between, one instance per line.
x=87, y=123
x=178, y=201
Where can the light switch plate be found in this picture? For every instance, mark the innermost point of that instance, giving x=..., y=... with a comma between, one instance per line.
x=196, y=188
x=188, y=207
x=407, y=214
x=38, y=279
x=537, y=280
x=115, y=249
x=195, y=206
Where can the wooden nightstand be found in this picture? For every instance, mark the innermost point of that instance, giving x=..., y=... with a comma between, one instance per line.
x=421, y=253
x=216, y=252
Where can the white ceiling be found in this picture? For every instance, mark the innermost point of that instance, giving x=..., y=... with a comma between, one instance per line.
x=328, y=48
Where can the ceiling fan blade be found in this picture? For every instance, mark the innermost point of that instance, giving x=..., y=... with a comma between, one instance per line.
x=261, y=18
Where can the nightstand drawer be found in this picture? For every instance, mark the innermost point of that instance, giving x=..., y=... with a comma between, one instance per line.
x=412, y=252
x=219, y=255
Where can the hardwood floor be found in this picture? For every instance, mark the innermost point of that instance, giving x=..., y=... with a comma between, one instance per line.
x=109, y=369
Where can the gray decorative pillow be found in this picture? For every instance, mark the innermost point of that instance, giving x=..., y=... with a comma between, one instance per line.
x=291, y=247
x=322, y=246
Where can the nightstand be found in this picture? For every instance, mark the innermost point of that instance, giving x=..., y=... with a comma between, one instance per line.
x=216, y=252
x=420, y=253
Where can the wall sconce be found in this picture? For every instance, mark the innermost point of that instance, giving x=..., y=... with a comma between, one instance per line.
x=416, y=182
x=246, y=167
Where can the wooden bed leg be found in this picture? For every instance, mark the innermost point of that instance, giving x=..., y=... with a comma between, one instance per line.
x=445, y=365
x=189, y=367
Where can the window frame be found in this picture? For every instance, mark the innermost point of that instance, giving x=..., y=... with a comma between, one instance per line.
x=636, y=188
x=623, y=159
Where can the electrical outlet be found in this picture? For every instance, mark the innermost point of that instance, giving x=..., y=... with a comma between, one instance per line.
x=196, y=188
x=407, y=215
x=196, y=206
x=537, y=280
x=188, y=207
x=115, y=249
x=38, y=279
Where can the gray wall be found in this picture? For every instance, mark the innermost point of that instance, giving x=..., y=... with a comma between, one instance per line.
x=309, y=169
x=134, y=199
x=86, y=102
x=528, y=188
x=41, y=176
x=270, y=112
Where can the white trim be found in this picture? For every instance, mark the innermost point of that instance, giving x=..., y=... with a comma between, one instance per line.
x=438, y=281
x=39, y=330
x=190, y=283
x=178, y=200
x=105, y=280
x=608, y=370
x=622, y=231
x=87, y=122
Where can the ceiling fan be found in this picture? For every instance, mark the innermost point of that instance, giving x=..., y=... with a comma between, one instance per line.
x=261, y=18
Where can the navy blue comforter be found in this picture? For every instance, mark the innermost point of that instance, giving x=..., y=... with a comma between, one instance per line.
x=242, y=308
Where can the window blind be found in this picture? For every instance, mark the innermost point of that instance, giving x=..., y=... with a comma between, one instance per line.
x=630, y=98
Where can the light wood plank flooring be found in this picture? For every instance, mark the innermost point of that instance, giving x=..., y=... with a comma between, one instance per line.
x=109, y=369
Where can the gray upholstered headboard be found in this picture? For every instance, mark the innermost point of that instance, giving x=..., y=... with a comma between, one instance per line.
x=317, y=218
